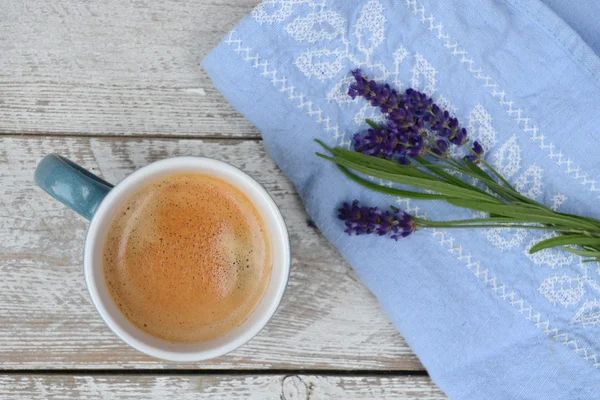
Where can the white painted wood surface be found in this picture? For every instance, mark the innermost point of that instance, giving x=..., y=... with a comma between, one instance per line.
x=217, y=387
x=115, y=67
x=328, y=320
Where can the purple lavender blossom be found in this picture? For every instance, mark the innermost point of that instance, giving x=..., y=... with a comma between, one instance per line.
x=418, y=102
x=382, y=96
x=415, y=146
x=362, y=220
x=478, y=150
x=440, y=148
x=408, y=114
x=404, y=119
x=445, y=126
x=389, y=144
x=376, y=142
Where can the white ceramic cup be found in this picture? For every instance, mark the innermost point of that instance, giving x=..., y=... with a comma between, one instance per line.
x=95, y=198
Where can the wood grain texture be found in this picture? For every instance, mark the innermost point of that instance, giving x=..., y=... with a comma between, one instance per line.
x=115, y=67
x=328, y=320
x=217, y=387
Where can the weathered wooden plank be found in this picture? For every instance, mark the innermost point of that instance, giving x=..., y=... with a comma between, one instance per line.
x=217, y=387
x=328, y=320
x=115, y=67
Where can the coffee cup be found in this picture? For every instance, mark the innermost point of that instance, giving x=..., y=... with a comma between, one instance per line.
x=99, y=201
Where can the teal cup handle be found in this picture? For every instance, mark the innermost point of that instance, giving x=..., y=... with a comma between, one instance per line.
x=71, y=184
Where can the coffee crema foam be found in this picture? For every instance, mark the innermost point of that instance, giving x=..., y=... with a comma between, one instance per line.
x=187, y=258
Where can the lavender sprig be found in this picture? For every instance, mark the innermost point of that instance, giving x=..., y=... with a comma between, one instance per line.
x=408, y=115
x=417, y=127
x=361, y=220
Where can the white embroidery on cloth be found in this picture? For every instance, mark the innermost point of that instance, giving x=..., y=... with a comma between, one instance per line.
x=447, y=105
x=564, y=289
x=480, y=126
x=332, y=50
x=317, y=27
x=282, y=84
x=339, y=93
x=423, y=75
x=588, y=314
x=511, y=296
x=322, y=63
x=270, y=11
x=508, y=158
x=558, y=201
x=530, y=183
x=370, y=27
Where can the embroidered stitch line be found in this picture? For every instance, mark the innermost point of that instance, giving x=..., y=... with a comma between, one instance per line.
x=525, y=123
x=282, y=84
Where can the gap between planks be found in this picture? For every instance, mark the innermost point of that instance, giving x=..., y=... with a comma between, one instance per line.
x=216, y=372
x=71, y=135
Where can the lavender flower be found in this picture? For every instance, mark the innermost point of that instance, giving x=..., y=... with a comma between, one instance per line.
x=478, y=150
x=404, y=119
x=419, y=103
x=408, y=114
x=415, y=146
x=361, y=220
x=445, y=126
x=440, y=148
x=377, y=142
x=382, y=96
x=389, y=144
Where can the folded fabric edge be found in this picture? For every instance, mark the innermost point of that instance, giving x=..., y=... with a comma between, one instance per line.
x=561, y=33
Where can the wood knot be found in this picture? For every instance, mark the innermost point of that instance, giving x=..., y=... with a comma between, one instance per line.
x=293, y=388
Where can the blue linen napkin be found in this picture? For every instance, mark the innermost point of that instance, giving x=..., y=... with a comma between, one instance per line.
x=488, y=320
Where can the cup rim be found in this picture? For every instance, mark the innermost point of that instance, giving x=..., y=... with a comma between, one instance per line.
x=192, y=356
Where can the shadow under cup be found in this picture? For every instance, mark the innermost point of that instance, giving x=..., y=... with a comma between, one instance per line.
x=173, y=351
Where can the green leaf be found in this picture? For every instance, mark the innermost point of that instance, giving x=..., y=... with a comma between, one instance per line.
x=409, y=170
x=391, y=191
x=428, y=184
x=528, y=214
x=373, y=162
x=565, y=240
x=583, y=253
x=499, y=220
x=380, y=163
x=589, y=220
x=506, y=192
x=458, y=181
x=507, y=183
x=324, y=145
x=443, y=174
x=477, y=170
x=492, y=215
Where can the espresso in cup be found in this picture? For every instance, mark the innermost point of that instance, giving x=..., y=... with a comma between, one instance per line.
x=187, y=258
